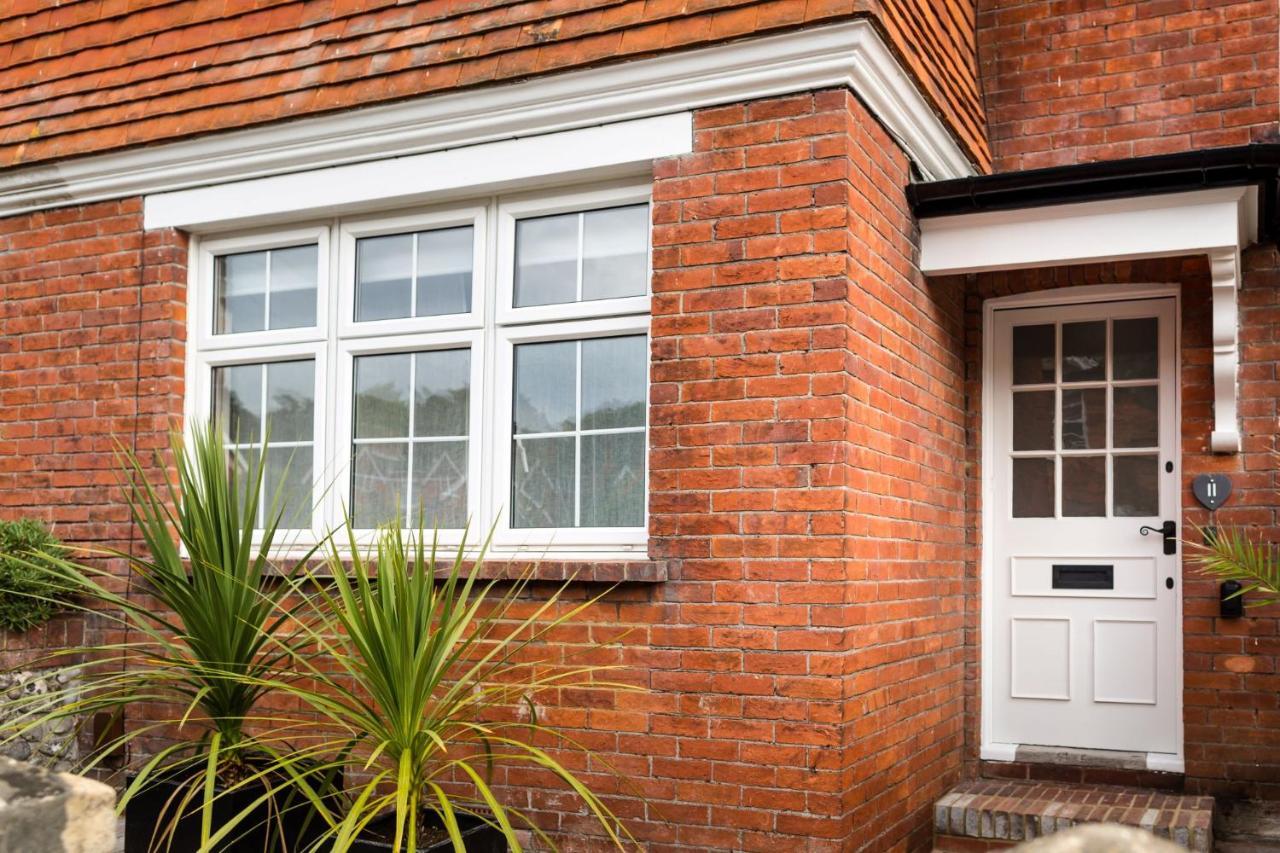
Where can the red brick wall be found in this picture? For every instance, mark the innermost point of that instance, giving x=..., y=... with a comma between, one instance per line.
x=91, y=353
x=1070, y=82
x=98, y=75
x=1231, y=690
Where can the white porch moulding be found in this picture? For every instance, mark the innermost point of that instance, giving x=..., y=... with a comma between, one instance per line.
x=1218, y=223
x=849, y=54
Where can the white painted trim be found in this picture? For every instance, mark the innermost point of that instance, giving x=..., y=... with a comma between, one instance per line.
x=1218, y=223
x=1117, y=229
x=625, y=148
x=849, y=54
x=990, y=750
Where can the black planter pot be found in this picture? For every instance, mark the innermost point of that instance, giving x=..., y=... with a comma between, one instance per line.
x=477, y=835
x=285, y=828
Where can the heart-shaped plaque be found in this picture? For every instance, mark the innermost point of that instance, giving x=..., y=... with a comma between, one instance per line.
x=1212, y=490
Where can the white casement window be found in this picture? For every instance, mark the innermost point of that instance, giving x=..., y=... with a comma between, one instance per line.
x=483, y=362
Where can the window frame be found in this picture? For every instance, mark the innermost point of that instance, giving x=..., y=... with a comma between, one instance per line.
x=491, y=330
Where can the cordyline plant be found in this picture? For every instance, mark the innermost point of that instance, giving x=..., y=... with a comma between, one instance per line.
x=423, y=666
x=207, y=641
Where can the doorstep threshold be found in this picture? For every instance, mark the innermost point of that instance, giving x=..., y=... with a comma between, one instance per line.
x=1067, y=756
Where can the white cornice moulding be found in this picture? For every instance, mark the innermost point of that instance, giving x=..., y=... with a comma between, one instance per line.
x=612, y=150
x=846, y=54
x=1219, y=223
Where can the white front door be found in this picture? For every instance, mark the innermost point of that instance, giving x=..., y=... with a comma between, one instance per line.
x=1085, y=645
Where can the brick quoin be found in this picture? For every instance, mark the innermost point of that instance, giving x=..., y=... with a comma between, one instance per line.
x=1231, y=691
x=1071, y=82
x=92, y=324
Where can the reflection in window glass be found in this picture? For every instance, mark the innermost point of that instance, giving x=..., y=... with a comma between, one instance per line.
x=1084, y=418
x=424, y=274
x=411, y=426
x=1135, y=348
x=270, y=289
x=1136, y=487
x=1033, y=354
x=1084, y=351
x=1084, y=486
x=578, y=456
x=1033, y=488
x=582, y=256
x=274, y=401
x=1137, y=416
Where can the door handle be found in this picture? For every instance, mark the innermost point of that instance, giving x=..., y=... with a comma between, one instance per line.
x=1169, y=530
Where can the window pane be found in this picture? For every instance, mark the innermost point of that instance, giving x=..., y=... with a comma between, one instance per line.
x=1032, y=488
x=384, y=266
x=1137, y=489
x=1084, y=418
x=441, y=398
x=293, y=287
x=237, y=402
x=444, y=271
x=382, y=396
x=439, y=484
x=615, y=252
x=1033, y=354
x=1033, y=420
x=1084, y=348
x=542, y=487
x=288, y=481
x=379, y=478
x=1084, y=486
x=240, y=292
x=614, y=382
x=291, y=400
x=547, y=260
x=1135, y=344
x=613, y=480
x=545, y=387
x=1137, y=417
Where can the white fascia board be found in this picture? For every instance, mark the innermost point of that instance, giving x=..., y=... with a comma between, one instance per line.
x=849, y=54
x=1218, y=223
x=1118, y=229
x=625, y=148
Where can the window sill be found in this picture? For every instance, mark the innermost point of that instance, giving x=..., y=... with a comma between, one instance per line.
x=583, y=570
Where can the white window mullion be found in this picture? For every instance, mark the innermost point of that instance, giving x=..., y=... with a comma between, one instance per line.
x=408, y=486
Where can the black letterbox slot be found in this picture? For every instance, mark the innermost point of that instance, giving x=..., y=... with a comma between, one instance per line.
x=1083, y=577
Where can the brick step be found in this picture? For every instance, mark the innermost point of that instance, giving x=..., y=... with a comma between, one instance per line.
x=991, y=814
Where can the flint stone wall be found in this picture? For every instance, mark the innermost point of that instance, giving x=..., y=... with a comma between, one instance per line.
x=46, y=812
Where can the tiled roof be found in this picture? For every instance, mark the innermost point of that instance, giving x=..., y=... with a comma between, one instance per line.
x=95, y=75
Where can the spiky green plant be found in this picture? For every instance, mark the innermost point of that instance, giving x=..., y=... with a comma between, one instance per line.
x=207, y=637
x=423, y=665
x=1231, y=554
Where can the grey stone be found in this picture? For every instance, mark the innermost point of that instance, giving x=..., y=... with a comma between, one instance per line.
x=44, y=812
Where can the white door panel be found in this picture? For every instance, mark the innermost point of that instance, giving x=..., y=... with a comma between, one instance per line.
x=1084, y=606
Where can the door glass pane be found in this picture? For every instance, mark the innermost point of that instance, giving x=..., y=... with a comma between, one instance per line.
x=542, y=482
x=547, y=260
x=613, y=479
x=1084, y=418
x=439, y=484
x=444, y=271
x=615, y=252
x=291, y=396
x=237, y=402
x=1033, y=354
x=384, y=267
x=240, y=292
x=382, y=396
x=1033, y=420
x=379, y=477
x=1033, y=488
x=614, y=382
x=293, y=287
x=286, y=486
x=1084, y=486
x=441, y=398
x=1084, y=347
x=1136, y=482
x=545, y=387
x=1137, y=417
x=1135, y=345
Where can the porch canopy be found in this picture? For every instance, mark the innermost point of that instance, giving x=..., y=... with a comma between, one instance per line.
x=1213, y=202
